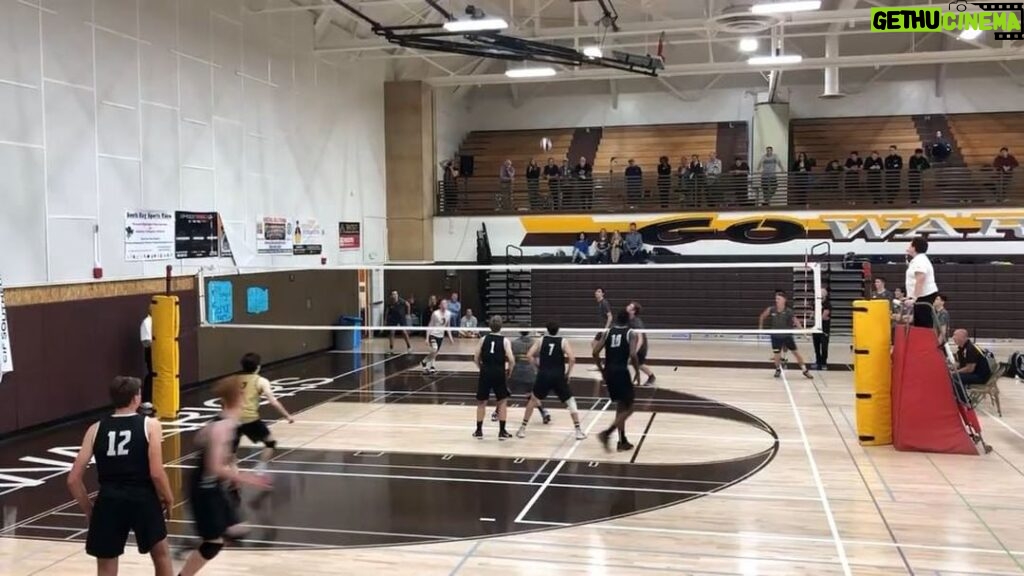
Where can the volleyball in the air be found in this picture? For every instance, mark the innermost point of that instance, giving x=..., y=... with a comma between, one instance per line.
x=545, y=144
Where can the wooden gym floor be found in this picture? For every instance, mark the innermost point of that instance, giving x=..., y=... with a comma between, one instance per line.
x=734, y=472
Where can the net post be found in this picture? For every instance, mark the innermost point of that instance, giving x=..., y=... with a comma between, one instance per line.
x=201, y=289
x=816, y=273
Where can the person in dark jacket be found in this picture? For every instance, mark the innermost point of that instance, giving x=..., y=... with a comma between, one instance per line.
x=664, y=180
x=553, y=174
x=918, y=164
x=634, y=184
x=893, y=173
x=533, y=184
x=800, y=179
x=874, y=166
x=852, y=168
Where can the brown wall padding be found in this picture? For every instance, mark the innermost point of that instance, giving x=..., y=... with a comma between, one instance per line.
x=423, y=283
x=66, y=352
x=310, y=297
x=671, y=298
x=986, y=299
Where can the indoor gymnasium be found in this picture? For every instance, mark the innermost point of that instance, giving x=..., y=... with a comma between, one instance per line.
x=489, y=287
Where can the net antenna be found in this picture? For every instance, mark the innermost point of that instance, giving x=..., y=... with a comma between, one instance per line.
x=651, y=284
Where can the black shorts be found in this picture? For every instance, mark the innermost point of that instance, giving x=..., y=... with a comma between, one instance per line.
x=492, y=380
x=113, y=517
x=620, y=386
x=548, y=382
x=256, y=431
x=213, y=509
x=782, y=342
x=396, y=321
x=436, y=342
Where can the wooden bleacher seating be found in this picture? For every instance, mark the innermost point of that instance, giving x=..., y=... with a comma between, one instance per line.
x=491, y=148
x=980, y=136
x=826, y=139
x=646, y=144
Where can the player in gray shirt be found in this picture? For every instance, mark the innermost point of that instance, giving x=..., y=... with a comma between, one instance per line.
x=781, y=317
x=524, y=373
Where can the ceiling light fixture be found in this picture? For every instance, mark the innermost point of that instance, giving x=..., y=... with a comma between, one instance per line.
x=475, y=25
x=748, y=45
x=775, y=60
x=530, y=72
x=778, y=7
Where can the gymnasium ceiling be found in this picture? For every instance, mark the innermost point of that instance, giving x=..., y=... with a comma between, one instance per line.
x=701, y=51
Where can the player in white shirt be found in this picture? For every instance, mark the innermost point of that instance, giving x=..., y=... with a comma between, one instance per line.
x=439, y=320
x=920, y=279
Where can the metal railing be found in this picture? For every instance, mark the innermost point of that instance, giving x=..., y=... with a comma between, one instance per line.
x=940, y=187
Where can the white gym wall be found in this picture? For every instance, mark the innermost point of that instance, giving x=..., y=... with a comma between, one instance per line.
x=108, y=105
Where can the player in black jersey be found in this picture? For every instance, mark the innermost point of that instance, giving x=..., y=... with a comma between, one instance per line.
x=554, y=359
x=213, y=509
x=398, y=310
x=495, y=360
x=620, y=348
x=634, y=308
x=134, y=491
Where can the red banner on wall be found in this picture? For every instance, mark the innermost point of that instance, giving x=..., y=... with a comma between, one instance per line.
x=349, y=236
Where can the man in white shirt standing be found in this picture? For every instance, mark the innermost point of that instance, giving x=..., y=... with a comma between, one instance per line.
x=146, y=338
x=439, y=320
x=920, y=279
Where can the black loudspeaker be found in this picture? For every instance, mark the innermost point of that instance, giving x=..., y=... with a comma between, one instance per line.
x=465, y=165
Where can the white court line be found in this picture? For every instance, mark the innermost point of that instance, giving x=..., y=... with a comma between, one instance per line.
x=840, y=548
x=1011, y=429
x=549, y=430
x=544, y=486
x=523, y=483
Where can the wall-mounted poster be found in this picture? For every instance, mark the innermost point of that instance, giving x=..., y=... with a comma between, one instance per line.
x=349, y=236
x=257, y=300
x=307, y=237
x=225, y=246
x=274, y=235
x=196, y=235
x=6, y=358
x=219, y=302
x=148, y=235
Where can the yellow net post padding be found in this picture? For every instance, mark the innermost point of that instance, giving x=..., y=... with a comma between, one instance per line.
x=165, y=311
x=872, y=371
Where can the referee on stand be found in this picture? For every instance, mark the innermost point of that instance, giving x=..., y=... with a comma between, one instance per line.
x=146, y=339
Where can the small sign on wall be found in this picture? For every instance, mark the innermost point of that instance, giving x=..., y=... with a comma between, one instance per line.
x=257, y=300
x=148, y=235
x=196, y=235
x=274, y=235
x=349, y=236
x=219, y=305
x=308, y=237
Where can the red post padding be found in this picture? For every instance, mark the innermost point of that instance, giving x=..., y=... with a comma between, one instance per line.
x=925, y=413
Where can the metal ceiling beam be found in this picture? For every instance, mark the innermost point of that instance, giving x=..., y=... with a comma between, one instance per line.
x=860, y=61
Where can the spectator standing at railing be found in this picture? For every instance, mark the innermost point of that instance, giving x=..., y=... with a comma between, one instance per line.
x=664, y=180
x=634, y=184
x=506, y=178
x=634, y=245
x=830, y=182
x=769, y=167
x=918, y=164
x=712, y=174
x=695, y=179
x=1004, y=165
x=738, y=174
x=800, y=179
x=584, y=173
x=566, y=184
x=854, y=165
x=448, y=186
x=533, y=184
x=874, y=166
x=893, y=171
x=553, y=174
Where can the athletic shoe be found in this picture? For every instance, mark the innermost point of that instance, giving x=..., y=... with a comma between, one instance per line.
x=423, y=363
x=605, y=438
x=521, y=433
x=624, y=447
x=580, y=434
x=432, y=370
x=478, y=435
x=778, y=373
x=823, y=367
x=808, y=375
x=546, y=417
x=494, y=416
x=504, y=435
x=650, y=380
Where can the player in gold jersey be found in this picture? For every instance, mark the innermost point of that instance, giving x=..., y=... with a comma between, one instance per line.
x=254, y=389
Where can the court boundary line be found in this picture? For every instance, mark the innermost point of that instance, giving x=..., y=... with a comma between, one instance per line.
x=643, y=436
x=836, y=538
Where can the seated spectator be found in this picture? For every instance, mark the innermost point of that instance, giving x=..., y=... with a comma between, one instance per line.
x=603, y=247
x=581, y=249
x=881, y=292
x=940, y=148
x=468, y=321
x=616, y=247
x=942, y=317
x=1004, y=165
x=901, y=314
x=634, y=246
x=971, y=362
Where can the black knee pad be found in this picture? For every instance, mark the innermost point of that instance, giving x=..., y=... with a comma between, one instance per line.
x=270, y=444
x=209, y=550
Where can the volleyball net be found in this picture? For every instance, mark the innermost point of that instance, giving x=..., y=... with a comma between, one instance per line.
x=675, y=300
